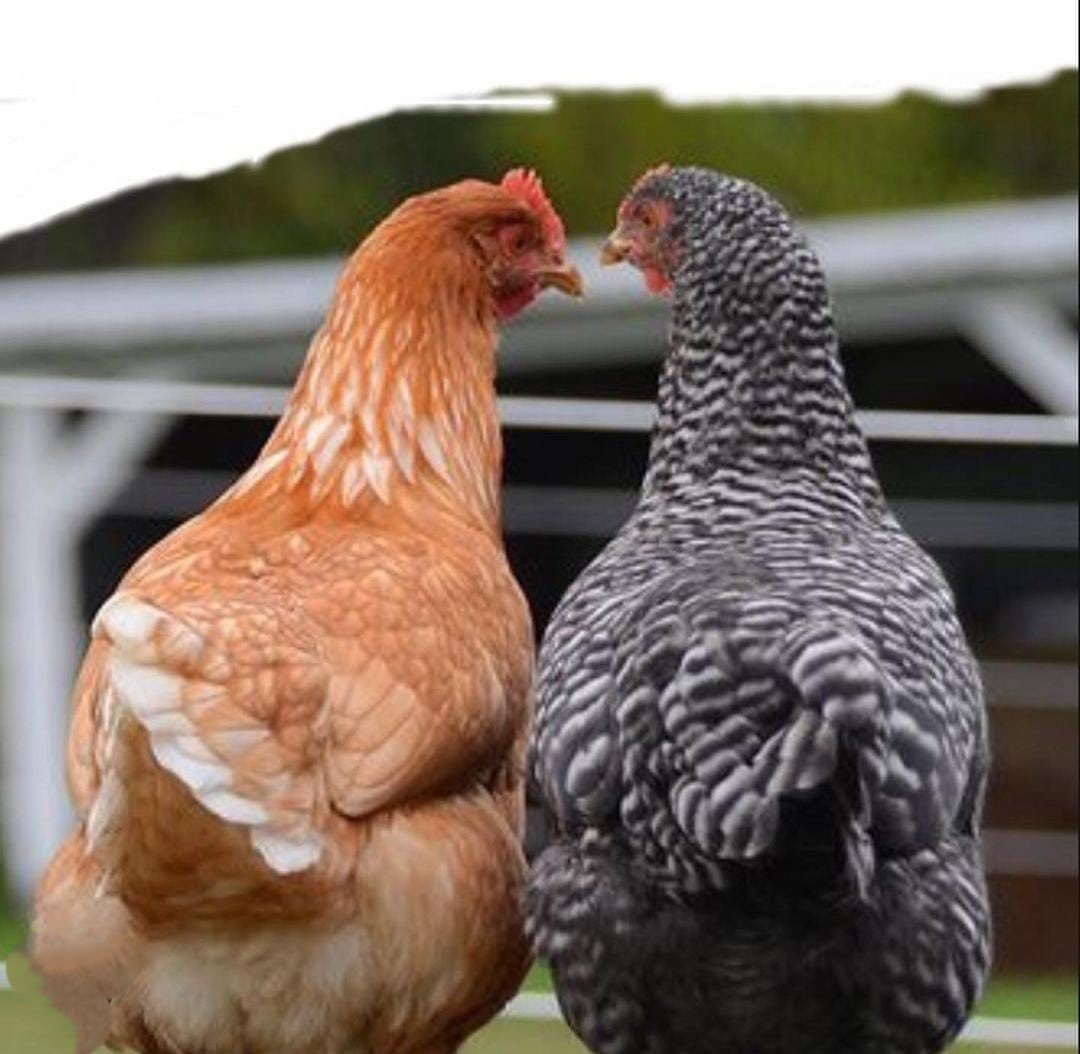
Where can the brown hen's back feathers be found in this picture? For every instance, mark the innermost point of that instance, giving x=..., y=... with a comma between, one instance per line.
x=298, y=732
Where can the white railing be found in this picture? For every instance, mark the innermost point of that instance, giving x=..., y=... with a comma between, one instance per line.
x=156, y=396
x=1029, y=1035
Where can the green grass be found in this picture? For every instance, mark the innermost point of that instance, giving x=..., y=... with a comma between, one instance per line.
x=12, y=933
x=29, y=1026
x=1039, y=998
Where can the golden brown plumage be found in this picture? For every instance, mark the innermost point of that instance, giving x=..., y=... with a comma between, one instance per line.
x=297, y=735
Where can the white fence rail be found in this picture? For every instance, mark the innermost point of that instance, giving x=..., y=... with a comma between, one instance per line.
x=153, y=396
x=1028, y=1035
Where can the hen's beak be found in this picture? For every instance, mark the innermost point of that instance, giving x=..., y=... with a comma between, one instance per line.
x=616, y=249
x=564, y=277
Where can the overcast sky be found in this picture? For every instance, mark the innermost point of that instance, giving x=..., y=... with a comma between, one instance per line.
x=96, y=97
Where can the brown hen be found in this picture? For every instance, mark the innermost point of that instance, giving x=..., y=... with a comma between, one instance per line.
x=296, y=746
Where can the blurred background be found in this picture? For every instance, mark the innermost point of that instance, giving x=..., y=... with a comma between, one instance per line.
x=144, y=343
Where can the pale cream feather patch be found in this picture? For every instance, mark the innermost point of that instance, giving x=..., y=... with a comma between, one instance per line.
x=141, y=676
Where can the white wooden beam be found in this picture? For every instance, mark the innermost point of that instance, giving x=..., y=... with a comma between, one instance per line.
x=1029, y=340
x=39, y=622
x=52, y=484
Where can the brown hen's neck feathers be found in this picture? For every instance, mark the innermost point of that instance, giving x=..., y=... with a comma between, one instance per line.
x=394, y=409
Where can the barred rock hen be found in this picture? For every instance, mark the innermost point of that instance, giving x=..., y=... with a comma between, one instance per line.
x=298, y=740
x=760, y=736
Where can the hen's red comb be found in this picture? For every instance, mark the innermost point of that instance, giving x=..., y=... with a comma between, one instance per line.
x=524, y=184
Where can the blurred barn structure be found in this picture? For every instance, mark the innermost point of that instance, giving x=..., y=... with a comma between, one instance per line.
x=128, y=400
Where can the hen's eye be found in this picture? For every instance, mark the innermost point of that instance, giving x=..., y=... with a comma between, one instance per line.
x=515, y=240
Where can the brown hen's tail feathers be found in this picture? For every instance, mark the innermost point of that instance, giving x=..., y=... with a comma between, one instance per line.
x=83, y=946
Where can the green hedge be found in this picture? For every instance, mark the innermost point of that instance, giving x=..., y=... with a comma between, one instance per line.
x=915, y=151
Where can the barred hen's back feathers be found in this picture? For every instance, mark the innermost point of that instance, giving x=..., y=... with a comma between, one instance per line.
x=760, y=732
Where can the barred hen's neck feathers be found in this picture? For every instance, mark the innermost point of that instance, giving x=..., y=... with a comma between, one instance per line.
x=395, y=401
x=752, y=382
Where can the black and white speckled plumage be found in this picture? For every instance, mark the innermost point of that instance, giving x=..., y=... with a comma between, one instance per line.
x=760, y=739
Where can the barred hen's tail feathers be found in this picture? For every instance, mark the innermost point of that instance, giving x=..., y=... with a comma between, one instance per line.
x=840, y=705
